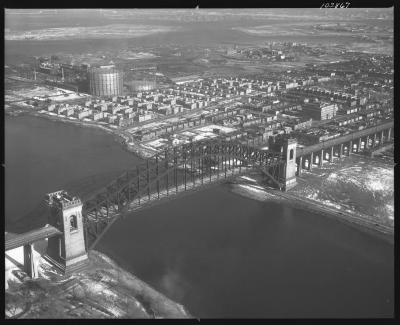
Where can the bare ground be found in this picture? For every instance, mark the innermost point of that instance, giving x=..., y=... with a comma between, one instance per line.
x=103, y=290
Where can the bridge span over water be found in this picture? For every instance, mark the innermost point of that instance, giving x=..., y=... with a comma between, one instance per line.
x=178, y=170
x=194, y=165
x=76, y=227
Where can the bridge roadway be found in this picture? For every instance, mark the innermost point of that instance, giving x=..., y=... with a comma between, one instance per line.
x=343, y=139
x=178, y=170
x=159, y=198
x=14, y=241
x=188, y=167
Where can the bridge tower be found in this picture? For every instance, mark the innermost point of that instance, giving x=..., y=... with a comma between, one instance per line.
x=288, y=175
x=68, y=250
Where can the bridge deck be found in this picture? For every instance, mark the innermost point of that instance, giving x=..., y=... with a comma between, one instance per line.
x=18, y=240
x=333, y=142
x=179, y=169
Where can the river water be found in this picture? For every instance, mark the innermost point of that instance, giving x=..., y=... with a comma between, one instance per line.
x=217, y=253
x=43, y=156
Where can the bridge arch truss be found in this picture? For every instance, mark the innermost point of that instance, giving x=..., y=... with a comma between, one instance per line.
x=173, y=171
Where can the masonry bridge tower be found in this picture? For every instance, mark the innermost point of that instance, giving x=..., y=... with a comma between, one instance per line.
x=287, y=147
x=68, y=251
x=64, y=232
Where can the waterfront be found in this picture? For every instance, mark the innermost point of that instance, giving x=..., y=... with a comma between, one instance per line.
x=222, y=255
x=43, y=156
x=217, y=253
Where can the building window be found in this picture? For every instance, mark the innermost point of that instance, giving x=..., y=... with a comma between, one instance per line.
x=291, y=154
x=73, y=223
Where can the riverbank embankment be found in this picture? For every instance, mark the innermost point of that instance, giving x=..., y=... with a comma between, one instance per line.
x=362, y=223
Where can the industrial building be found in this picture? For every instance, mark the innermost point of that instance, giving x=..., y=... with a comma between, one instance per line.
x=141, y=85
x=106, y=81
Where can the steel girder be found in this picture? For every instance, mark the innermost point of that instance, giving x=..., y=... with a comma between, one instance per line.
x=175, y=170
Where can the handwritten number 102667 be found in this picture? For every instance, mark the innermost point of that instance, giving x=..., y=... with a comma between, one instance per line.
x=335, y=5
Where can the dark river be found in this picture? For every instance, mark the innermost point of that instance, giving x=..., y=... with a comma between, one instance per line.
x=217, y=253
x=43, y=156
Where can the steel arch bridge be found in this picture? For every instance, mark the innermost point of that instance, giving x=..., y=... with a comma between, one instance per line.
x=174, y=171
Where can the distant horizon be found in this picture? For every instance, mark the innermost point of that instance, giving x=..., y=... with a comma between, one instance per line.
x=41, y=19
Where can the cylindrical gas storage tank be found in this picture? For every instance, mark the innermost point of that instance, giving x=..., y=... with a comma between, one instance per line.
x=105, y=81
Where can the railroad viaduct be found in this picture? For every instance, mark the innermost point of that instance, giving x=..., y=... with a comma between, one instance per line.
x=75, y=227
x=367, y=139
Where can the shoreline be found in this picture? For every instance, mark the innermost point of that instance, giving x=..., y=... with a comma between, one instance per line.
x=146, y=287
x=103, y=289
x=300, y=202
x=123, y=267
x=364, y=225
x=118, y=137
